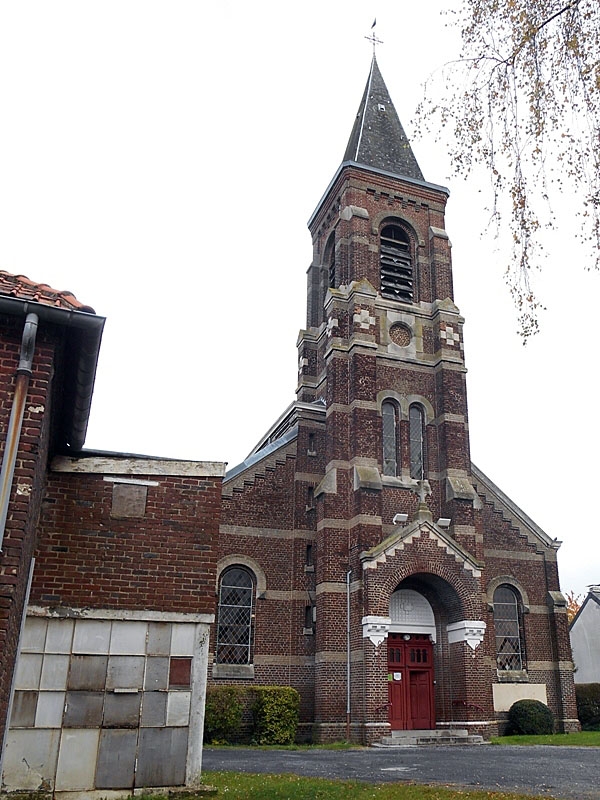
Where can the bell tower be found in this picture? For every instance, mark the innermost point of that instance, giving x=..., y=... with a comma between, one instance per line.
x=383, y=353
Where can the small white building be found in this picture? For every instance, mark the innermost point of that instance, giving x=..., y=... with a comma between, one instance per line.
x=585, y=639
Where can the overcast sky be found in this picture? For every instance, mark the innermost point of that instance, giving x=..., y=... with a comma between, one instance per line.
x=161, y=159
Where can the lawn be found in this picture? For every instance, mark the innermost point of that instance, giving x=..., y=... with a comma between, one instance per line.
x=583, y=739
x=241, y=786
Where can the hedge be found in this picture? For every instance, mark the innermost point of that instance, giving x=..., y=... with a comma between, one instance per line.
x=588, y=705
x=275, y=714
x=530, y=717
x=253, y=714
x=223, y=713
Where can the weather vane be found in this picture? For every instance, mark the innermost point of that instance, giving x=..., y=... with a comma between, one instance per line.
x=372, y=38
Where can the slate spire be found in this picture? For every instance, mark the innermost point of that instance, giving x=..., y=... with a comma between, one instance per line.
x=378, y=139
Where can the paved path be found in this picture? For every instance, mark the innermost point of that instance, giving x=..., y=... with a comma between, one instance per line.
x=568, y=773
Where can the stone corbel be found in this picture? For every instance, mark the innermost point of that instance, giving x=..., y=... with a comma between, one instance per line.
x=467, y=630
x=376, y=628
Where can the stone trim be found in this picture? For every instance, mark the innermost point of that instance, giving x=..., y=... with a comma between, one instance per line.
x=122, y=614
x=266, y=533
x=139, y=466
x=509, y=580
x=469, y=631
x=371, y=559
x=132, y=481
x=348, y=524
x=244, y=561
x=376, y=628
x=233, y=671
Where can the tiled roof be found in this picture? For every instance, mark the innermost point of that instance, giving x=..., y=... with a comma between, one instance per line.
x=22, y=288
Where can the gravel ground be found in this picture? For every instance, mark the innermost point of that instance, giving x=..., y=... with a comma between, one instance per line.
x=568, y=773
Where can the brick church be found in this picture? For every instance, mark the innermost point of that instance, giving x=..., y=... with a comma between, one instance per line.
x=363, y=558
x=357, y=554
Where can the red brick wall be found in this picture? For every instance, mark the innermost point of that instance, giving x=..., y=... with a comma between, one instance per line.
x=164, y=560
x=27, y=487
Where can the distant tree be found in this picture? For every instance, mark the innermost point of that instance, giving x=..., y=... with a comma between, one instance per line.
x=524, y=101
x=573, y=605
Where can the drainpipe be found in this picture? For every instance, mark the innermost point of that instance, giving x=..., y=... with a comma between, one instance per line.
x=11, y=691
x=16, y=417
x=348, y=576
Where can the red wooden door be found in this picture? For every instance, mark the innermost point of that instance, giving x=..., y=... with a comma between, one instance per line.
x=419, y=686
x=396, y=691
x=410, y=682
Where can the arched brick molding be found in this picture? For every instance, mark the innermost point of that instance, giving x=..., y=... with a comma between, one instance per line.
x=244, y=561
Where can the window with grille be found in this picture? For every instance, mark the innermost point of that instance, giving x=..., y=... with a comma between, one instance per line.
x=416, y=425
x=390, y=438
x=508, y=628
x=395, y=264
x=235, y=617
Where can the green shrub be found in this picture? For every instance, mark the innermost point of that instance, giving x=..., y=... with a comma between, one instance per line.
x=529, y=718
x=588, y=705
x=275, y=714
x=223, y=713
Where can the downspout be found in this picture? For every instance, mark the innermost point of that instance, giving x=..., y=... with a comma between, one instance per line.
x=24, y=371
x=348, y=576
x=11, y=691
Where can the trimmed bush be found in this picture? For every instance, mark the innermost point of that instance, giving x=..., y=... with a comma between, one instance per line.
x=588, y=705
x=530, y=718
x=223, y=713
x=275, y=714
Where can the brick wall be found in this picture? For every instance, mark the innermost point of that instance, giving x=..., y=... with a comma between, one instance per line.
x=27, y=487
x=96, y=552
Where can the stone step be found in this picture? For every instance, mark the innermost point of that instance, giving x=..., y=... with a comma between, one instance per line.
x=423, y=738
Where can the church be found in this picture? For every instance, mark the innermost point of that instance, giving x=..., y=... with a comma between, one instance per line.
x=357, y=554
x=364, y=559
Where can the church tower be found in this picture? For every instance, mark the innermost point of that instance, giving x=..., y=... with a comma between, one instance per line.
x=397, y=588
x=383, y=351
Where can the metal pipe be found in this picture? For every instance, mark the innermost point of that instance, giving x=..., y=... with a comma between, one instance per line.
x=348, y=576
x=11, y=692
x=17, y=412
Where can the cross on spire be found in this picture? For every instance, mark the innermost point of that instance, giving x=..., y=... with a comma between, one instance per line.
x=373, y=38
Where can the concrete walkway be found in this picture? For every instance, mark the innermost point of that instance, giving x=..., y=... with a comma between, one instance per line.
x=567, y=773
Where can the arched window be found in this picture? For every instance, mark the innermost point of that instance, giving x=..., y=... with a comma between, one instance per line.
x=389, y=415
x=508, y=628
x=329, y=261
x=416, y=427
x=395, y=264
x=235, y=616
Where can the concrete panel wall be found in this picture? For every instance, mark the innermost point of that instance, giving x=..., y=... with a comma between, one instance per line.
x=94, y=697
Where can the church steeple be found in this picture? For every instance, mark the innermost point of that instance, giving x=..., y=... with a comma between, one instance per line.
x=378, y=139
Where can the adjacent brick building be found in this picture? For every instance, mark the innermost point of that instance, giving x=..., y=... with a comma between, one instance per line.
x=112, y=622
x=363, y=558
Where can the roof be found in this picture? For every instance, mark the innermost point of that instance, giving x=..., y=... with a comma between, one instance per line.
x=378, y=139
x=22, y=288
x=19, y=297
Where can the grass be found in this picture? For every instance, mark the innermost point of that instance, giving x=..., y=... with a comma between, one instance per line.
x=583, y=739
x=329, y=746
x=241, y=786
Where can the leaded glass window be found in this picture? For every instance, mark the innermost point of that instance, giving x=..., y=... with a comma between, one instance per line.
x=416, y=424
x=390, y=439
x=235, y=617
x=507, y=624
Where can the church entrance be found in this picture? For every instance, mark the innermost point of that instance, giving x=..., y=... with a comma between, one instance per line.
x=410, y=646
x=410, y=681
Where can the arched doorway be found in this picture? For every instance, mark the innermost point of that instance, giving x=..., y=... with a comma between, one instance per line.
x=410, y=662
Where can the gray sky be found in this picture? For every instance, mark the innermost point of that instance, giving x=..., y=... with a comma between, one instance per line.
x=161, y=159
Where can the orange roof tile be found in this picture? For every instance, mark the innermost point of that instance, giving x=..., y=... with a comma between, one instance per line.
x=22, y=288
